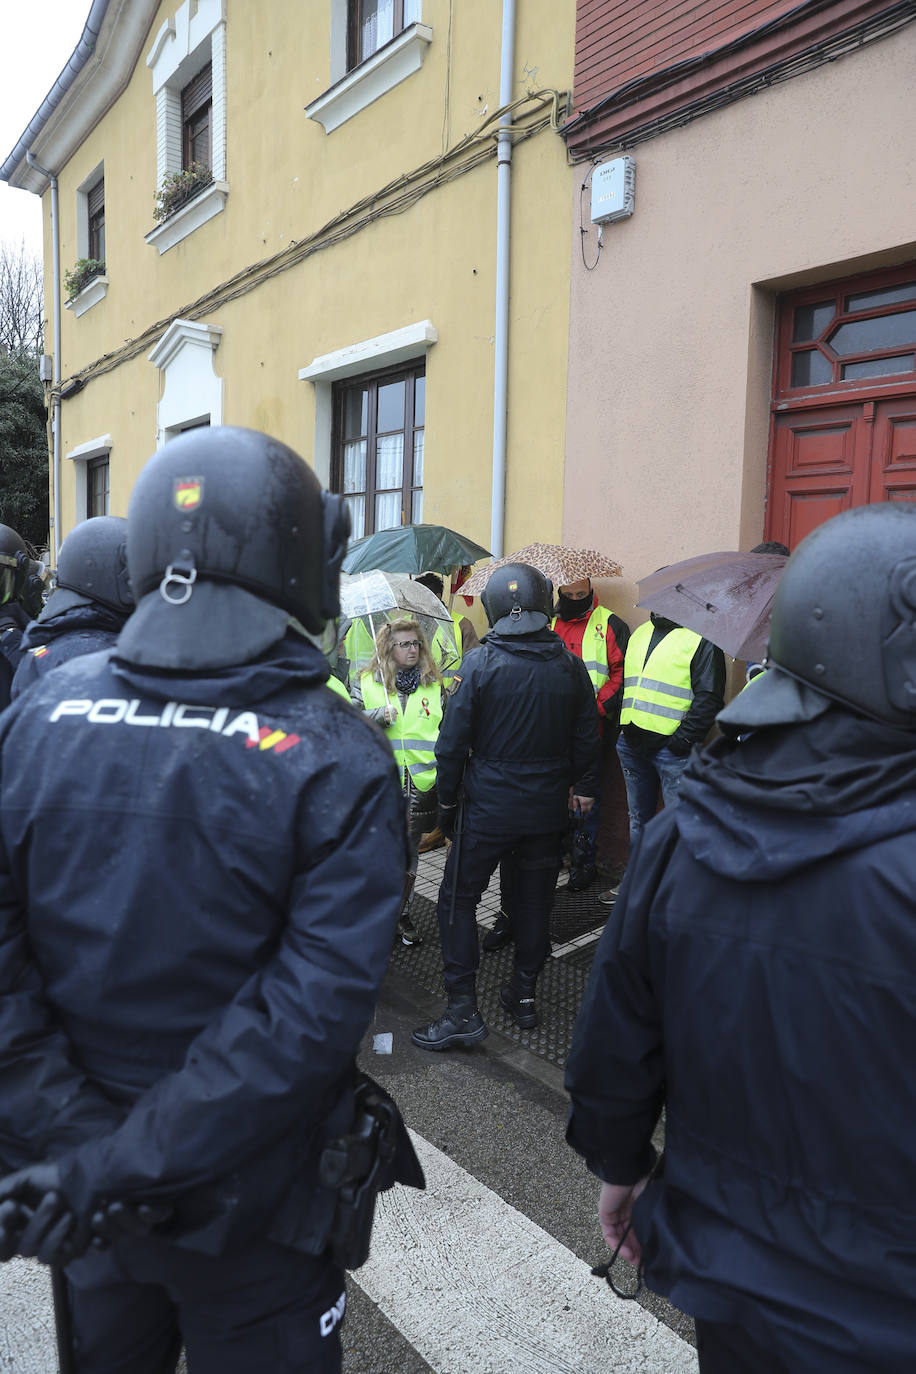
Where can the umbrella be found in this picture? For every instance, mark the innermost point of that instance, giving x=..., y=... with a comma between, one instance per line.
x=369, y=599
x=413, y=549
x=560, y=564
x=725, y=597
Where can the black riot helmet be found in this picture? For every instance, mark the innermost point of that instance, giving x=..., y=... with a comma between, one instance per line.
x=518, y=599
x=844, y=613
x=92, y=566
x=13, y=555
x=230, y=536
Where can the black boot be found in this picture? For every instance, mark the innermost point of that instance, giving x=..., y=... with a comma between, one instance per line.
x=500, y=935
x=517, y=996
x=407, y=930
x=461, y=1024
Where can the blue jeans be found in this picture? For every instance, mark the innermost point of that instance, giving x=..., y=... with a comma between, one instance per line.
x=645, y=776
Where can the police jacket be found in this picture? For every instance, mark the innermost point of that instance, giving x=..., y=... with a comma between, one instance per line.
x=523, y=719
x=199, y=884
x=48, y=643
x=756, y=976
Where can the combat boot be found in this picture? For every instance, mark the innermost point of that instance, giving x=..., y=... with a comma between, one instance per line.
x=517, y=997
x=461, y=1024
x=500, y=935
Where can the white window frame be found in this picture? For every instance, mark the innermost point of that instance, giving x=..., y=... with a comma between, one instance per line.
x=371, y=355
x=192, y=37
x=350, y=92
x=192, y=392
x=80, y=457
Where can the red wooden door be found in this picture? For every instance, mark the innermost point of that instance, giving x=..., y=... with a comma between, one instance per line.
x=844, y=409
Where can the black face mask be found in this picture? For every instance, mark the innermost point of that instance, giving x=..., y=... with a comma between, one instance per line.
x=573, y=607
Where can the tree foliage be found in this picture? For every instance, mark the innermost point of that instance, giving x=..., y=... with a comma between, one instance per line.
x=23, y=418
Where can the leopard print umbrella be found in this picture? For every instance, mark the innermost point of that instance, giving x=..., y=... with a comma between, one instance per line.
x=560, y=564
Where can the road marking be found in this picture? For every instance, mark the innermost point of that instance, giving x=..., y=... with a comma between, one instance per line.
x=476, y=1287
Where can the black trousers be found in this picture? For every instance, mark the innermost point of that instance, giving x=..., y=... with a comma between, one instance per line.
x=264, y=1308
x=531, y=864
x=730, y=1350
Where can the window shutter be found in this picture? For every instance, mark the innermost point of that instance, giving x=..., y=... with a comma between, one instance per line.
x=197, y=93
x=96, y=197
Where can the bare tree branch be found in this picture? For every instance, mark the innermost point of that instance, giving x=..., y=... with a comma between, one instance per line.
x=21, y=301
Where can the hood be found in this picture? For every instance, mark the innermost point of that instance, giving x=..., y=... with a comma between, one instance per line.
x=79, y=615
x=777, y=800
x=539, y=643
x=291, y=662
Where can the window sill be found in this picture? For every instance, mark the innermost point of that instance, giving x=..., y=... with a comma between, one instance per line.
x=189, y=216
x=380, y=73
x=91, y=294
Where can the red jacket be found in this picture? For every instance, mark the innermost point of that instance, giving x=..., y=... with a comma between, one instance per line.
x=572, y=632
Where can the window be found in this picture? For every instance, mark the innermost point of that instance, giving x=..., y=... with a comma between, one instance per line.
x=196, y=119
x=378, y=448
x=95, y=208
x=97, y=487
x=831, y=335
x=373, y=23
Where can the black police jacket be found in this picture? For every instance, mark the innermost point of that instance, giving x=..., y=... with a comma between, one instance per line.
x=522, y=728
x=199, y=886
x=756, y=976
x=47, y=644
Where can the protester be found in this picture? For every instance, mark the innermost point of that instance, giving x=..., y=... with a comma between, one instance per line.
x=402, y=691
x=201, y=858
x=756, y=980
x=89, y=605
x=466, y=637
x=519, y=742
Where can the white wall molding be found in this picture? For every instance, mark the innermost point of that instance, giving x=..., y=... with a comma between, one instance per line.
x=192, y=390
x=190, y=216
x=380, y=73
x=80, y=457
x=90, y=295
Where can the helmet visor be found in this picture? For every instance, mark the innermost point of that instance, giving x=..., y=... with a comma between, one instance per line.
x=7, y=577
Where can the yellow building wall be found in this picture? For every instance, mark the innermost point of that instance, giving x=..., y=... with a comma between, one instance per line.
x=435, y=261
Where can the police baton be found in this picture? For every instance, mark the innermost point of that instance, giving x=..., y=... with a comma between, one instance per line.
x=63, y=1320
x=455, y=855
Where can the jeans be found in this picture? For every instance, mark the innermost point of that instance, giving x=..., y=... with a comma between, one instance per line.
x=645, y=776
x=530, y=865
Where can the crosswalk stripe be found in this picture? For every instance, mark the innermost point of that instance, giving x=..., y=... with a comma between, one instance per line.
x=476, y=1286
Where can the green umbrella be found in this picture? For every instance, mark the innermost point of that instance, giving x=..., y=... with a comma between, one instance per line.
x=413, y=549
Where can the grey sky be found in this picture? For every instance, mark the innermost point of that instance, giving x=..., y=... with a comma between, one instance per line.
x=37, y=41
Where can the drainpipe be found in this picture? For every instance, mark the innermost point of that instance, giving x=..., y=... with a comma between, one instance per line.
x=55, y=423
x=501, y=332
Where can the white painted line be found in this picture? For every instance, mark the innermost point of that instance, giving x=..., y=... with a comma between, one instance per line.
x=477, y=1288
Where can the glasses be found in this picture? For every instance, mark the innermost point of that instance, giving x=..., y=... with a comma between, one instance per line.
x=407, y=644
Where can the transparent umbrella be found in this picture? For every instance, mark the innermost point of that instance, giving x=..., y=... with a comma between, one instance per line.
x=370, y=599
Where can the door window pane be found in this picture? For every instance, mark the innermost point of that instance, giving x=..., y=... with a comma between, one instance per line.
x=354, y=466
x=418, y=445
x=356, y=505
x=376, y=25
x=416, y=514
x=866, y=336
x=889, y=295
x=811, y=369
x=389, y=461
x=812, y=320
x=419, y=403
x=878, y=367
x=97, y=487
x=356, y=413
x=388, y=510
x=391, y=406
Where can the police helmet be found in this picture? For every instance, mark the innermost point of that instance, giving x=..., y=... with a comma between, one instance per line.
x=13, y=554
x=93, y=567
x=230, y=536
x=518, y=599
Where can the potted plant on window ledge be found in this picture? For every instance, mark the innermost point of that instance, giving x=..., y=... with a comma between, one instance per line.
x=83, y=271
x=178, y=188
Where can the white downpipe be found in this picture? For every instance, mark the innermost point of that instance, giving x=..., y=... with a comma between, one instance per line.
x=501, y=331
x=55, y=421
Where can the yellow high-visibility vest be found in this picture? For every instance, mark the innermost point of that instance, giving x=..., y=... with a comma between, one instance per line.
x=657, y=691
x=440, y=649
x=594, y=646
x=337, y=686
x=413, y=734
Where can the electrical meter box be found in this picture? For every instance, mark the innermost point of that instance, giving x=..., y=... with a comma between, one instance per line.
x=613, y=190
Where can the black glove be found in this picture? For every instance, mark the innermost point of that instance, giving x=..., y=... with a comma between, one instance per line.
x=12, y=616
x=445, y=819
x=114, y=1220
x=680, y=748
x=35, y=1217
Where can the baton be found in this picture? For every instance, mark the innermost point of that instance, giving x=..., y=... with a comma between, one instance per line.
x=456, y=855
x=63, y=1320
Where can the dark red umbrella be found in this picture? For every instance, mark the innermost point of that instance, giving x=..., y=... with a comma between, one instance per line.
x=725, y=597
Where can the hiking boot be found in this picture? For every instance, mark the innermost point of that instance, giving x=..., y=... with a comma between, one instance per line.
x=407, y=931
x=517, y=998
x=500, y=935
x=460, y=1024
x=581, y=878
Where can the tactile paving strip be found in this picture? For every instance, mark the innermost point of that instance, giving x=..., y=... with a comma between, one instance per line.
x=559, y=991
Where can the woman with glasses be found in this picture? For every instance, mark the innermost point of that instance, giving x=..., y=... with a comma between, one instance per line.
x=402, y=690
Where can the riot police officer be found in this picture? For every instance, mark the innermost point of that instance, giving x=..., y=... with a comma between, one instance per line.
x=21, y=587
x=518, y=745
x=201, y=857
x=91, y=601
